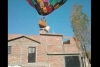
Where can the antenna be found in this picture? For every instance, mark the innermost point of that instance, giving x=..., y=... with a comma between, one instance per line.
x=53, y=28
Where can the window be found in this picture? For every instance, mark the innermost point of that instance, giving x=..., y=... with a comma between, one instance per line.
x=72, y=61
x=31, y=54
x=31, y=50
x=9, y=49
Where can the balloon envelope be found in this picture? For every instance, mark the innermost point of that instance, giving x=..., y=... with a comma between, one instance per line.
x=45, y=7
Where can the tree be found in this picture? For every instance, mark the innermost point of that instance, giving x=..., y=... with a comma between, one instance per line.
x=80, y=25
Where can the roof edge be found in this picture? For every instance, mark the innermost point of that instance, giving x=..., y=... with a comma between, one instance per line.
x=23, y=37
x=48, y=34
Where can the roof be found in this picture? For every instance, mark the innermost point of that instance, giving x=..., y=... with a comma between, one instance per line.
x=52, y=34
x=35, y=38
x=67, y=42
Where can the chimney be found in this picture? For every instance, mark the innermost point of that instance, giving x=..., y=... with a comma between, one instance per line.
x=43, y=31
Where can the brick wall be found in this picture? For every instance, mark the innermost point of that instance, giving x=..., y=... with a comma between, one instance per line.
x=72, y=47
x=49, y=44
x=55, y=61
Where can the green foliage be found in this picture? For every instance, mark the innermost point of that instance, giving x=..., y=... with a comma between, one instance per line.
x=80, y=25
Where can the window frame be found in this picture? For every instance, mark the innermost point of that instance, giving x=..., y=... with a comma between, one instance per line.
x=10, y=49
x=31, y=53
x=73, y=55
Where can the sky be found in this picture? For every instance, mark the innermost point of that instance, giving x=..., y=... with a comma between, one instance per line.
x=24, y=19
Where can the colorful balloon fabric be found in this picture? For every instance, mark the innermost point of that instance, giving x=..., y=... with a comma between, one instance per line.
x=45, y=7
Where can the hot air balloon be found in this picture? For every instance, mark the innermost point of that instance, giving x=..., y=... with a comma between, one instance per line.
x=45, y=7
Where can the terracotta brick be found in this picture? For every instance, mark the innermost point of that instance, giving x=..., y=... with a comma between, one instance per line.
x=54, y=48
x=69, y=48
x=15, y=49
x=41, y=58
x=52, y=44
x=56, y=61
x=54, y=40
x=24, y=59
x=13, y=59
x=41, y=49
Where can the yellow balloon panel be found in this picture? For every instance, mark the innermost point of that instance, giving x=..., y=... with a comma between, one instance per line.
x=57, y=6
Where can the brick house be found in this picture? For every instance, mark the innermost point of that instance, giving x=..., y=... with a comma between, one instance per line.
x=43, y=50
